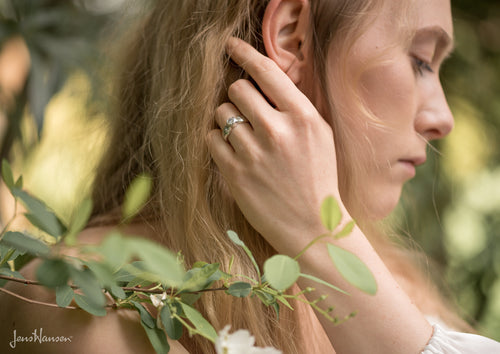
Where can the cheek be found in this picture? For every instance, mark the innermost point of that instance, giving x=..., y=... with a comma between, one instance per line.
x=389, y=92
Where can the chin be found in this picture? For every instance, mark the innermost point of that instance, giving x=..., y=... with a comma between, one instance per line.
x=377, y=206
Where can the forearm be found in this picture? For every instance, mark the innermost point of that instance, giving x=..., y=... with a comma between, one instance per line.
x=387, y=322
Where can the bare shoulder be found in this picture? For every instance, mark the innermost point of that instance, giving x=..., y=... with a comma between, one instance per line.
x=28, y=327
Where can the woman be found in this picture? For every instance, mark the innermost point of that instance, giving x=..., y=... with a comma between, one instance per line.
x=343, y=103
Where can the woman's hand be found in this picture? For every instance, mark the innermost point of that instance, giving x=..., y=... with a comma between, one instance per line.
x=282, y=165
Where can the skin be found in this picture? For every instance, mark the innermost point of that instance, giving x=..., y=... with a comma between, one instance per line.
x=281, y=166
x=291, y=142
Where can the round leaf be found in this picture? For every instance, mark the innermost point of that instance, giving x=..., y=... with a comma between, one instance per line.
x=137, y=194
x=281, y=271
x=239, y=289
x=353, y=269
x=64, y=295
x=330, y=213
x=53, y=273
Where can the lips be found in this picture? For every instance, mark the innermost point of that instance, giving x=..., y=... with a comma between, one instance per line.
x=415, y=161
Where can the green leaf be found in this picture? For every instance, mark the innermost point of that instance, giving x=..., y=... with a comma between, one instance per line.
x=39, y=215
x=321, y=281
x=353, y=269
x=199, y=322
x=158, y=261
x=330, y=213
x=7, y=175
x=102, y=272
x=233, y=236
x=79, y=221
x=190, y=299
x=53, y=273
x=117, y=291
x=281, y=271
x=25, y=243
x=88, y=283
x=284, y=301
x=239, y=289
x=64, y=295
x=11, y=273
x=157, y=338
x=346, y=230
x=109, y=246
x=266, y=298
x=172, y=325
x=200, y=278
x=89, y=306
x=19, y=182
x=137, y=194
x=146, y=318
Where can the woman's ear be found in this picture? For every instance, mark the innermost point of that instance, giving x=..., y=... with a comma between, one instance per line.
x=284, y=29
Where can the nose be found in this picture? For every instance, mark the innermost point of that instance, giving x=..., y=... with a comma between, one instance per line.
x=434, y=118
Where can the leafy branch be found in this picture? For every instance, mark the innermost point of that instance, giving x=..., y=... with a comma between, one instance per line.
x=142, y=272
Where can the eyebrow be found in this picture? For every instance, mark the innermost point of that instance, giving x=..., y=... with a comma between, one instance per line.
x=444, y=41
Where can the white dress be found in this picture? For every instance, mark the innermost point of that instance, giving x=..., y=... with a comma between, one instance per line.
x=447, y=341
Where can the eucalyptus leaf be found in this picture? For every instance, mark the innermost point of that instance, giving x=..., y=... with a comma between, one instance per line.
x=79, y=221
x=88, y=283
x=266, y=298
x=190, y=299
x=157, y=338
x=281, y=271
x=239, y=289
x=115, y=250
x=117, y=292
x=233, y=236
x=172, y=325
x=53, y=273
x=346, y=230
x=39, y=215
x=19, y=182
x=89, y=306
x=146, y=318
x=64, y=295
x=137, y=194
x=7, y=176
x=158, y=261
x=199, y=278
x=11, y=273
x=330, y=213
x=321, y=281
x=25, y=243
x=353, y=269
x=199, y=322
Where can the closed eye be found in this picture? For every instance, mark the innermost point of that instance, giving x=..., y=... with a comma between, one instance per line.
x=420, y=66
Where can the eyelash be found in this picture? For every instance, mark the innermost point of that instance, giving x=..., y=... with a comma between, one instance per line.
x=421, y=65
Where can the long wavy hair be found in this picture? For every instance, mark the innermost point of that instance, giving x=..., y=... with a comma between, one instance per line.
x=173, y=75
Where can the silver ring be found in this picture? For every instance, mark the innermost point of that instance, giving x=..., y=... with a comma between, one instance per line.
x=230, y=124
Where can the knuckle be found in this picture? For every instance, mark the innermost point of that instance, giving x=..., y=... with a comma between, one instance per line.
x=265, y=65
x=236, y=87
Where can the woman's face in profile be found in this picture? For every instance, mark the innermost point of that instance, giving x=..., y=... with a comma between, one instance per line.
x=403, y=91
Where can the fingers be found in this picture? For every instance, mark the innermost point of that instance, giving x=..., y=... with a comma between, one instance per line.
x=241, y=133
x=250, y=102
x=275, y=84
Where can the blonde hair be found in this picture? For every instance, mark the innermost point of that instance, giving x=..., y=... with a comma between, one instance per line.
x=174, y=75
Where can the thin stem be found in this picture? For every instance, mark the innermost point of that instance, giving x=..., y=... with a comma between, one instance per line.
x=125, y=288
x=31, y=301
x=310, y=244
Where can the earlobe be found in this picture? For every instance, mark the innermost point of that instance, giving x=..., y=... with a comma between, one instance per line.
x=284, y=30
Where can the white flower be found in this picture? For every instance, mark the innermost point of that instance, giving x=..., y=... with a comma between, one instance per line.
x=157, y=299
x=239, y=342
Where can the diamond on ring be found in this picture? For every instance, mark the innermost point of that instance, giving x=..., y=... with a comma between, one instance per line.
x=230, y=124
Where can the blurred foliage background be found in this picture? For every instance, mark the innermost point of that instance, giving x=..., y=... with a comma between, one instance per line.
x=52, y=65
